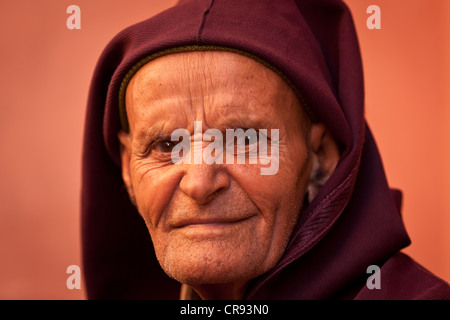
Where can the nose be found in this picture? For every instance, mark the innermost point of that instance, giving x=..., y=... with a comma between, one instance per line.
x=202, y=182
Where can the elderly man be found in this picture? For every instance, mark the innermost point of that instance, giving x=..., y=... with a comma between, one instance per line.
x=226, y=156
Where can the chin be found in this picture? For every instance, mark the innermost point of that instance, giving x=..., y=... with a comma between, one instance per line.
x=211, y=268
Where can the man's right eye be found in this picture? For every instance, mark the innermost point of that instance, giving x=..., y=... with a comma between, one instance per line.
x=164, y=146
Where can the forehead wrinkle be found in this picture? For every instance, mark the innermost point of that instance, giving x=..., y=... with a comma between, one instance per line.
x=152, y=98
x=223, y=74
x=157, y=117
x=246, y=93
x=183, y=78
x=206, y=89
x=195, y=73
x=210, y=80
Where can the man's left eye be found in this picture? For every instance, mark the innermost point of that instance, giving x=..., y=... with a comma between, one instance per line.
x=250, y=142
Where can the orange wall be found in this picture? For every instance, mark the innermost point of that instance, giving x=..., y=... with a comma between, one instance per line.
x=46, y=70
x=407, y=76
x=45, y=74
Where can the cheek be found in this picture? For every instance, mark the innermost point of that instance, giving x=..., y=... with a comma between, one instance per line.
x=285, y=188
x=153, y=189
x=278, y=197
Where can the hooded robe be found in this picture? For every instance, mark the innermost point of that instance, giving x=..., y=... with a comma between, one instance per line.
x=354, y=222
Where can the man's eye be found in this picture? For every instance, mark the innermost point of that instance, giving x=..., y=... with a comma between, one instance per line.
x=164, y=146
x=250, y=140
x=245, y=144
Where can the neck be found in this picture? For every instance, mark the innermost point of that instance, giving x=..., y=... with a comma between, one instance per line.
x=221, y=291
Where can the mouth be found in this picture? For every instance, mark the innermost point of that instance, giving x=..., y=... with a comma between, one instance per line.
x=209, y=222
x=211, y=229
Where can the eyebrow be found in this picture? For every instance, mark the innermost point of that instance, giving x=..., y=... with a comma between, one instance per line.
x=151, y=133
x=243, y=123
x=158, y=132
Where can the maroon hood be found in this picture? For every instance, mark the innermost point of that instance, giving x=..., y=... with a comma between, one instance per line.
x=353, y=222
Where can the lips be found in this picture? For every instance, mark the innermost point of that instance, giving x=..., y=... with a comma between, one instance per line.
x=210, y=221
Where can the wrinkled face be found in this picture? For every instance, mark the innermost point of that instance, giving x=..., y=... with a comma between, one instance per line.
x=214, y=223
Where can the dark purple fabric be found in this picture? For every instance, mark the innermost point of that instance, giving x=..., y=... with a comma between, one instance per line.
x=404, y=279
x=354, y=221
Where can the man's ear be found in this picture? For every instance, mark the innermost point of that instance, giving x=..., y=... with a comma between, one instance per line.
x=125, y=155
x=325, y=157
